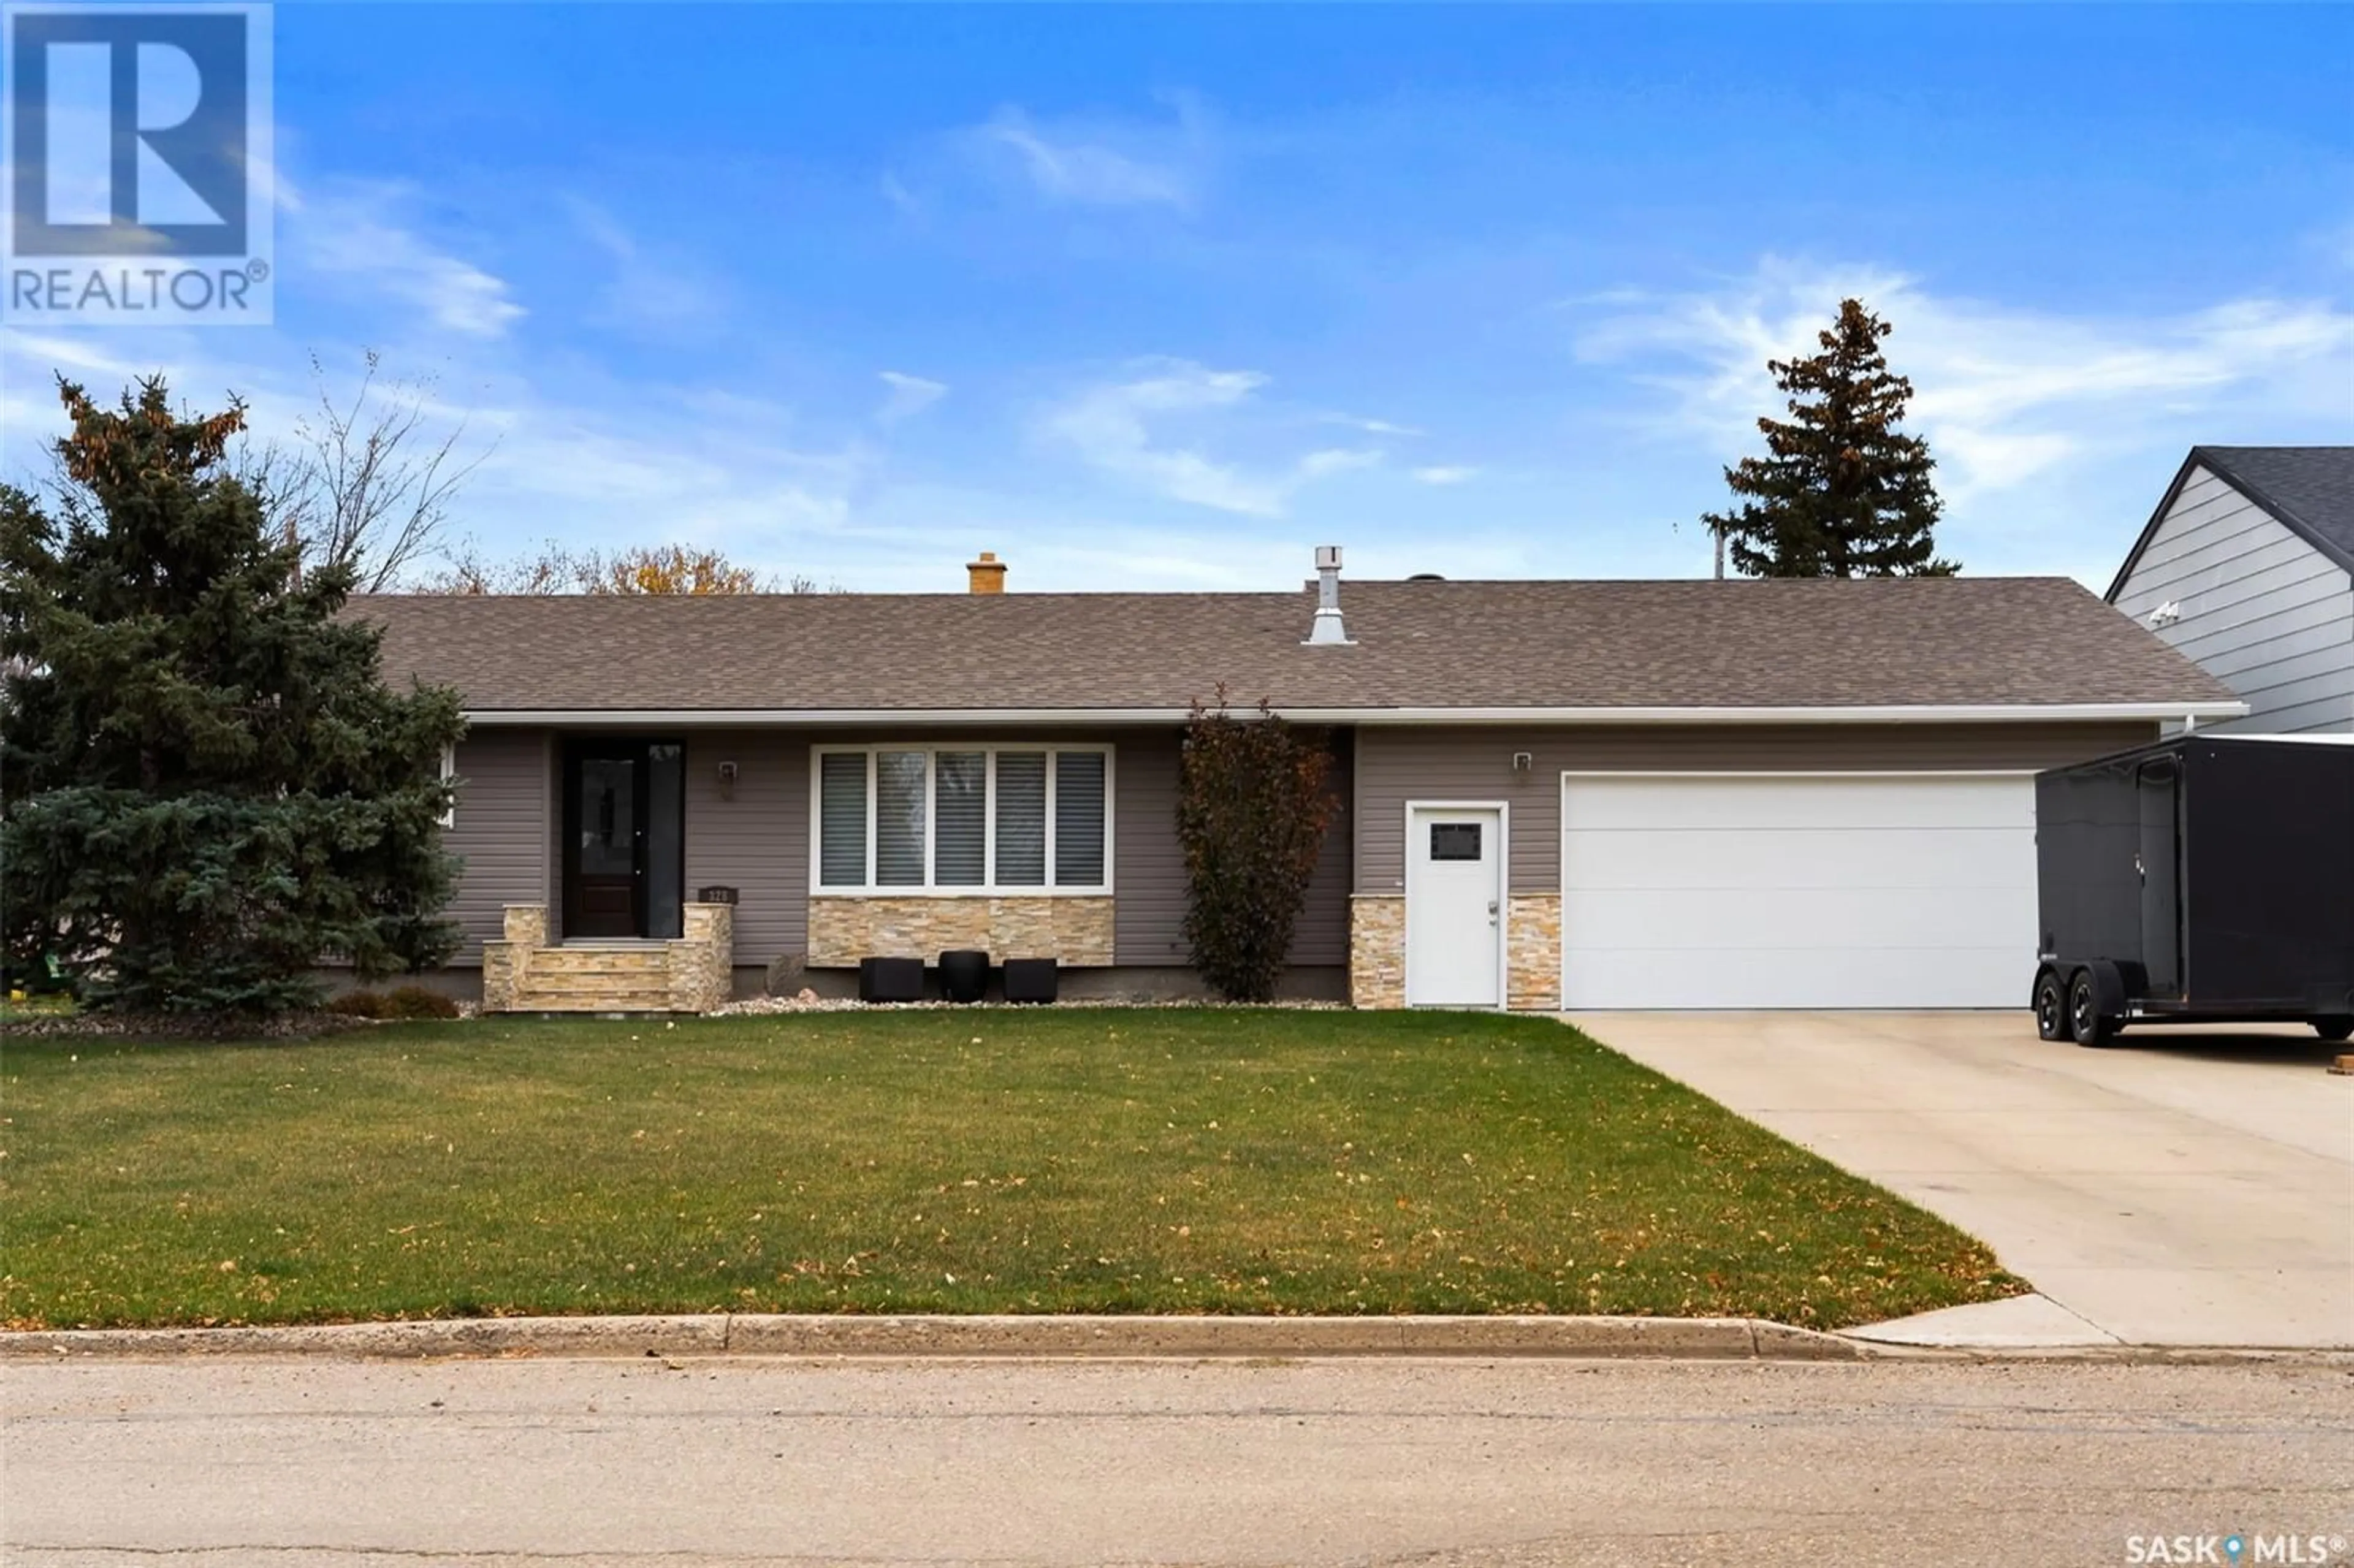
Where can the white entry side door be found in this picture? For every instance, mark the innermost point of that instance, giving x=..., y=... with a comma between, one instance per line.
x=1455, y=907
x=1798, y=891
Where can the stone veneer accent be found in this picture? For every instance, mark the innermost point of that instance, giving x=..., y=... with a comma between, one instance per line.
x=693, y=973
x=505, y=962
x=702, y=957
x=1533, y=952
x=1377, y=950
x=845, y=928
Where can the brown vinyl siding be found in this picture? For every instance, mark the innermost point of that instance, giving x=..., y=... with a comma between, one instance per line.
x=1148, y=868
x=1396, y=766
x=500, y=830
x=1323, y=935
x=1149, y=892
x=756, y=842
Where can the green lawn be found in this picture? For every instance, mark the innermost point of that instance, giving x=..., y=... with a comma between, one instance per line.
x=1113, y=1161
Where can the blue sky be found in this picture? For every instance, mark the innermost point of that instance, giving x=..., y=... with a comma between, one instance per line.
x=1164, y=297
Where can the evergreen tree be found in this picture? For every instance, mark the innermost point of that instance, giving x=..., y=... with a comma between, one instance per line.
x=1842, y=492
x=210, y=789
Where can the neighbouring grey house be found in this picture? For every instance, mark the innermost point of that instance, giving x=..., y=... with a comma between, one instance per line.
x=1580, y=794
x=2247, y=567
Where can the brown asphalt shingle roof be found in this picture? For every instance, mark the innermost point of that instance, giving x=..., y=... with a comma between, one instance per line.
x=1958, y=642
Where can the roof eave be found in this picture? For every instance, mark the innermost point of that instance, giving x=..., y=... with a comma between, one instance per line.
x=1959, y=713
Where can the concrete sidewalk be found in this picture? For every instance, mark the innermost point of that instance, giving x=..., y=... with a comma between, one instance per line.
x=2186, y=1187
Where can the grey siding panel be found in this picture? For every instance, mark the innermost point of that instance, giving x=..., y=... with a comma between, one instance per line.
x=1148, y=867
x=500, y=830
x=2319, y=605
x=2261, y=607
x=2329, y=715
x=1149, y=875
x=756, y=839
x=2287, y=653
x=1396, y=766
x=1323, y=935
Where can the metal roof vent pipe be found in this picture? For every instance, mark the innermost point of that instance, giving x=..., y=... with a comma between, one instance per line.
x=1328, y=631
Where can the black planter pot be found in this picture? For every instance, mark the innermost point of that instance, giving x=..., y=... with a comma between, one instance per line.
x=964, y=975
x=890, y=979
x=1031, y=979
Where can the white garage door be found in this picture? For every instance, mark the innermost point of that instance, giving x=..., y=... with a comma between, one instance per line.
x=1798, y=891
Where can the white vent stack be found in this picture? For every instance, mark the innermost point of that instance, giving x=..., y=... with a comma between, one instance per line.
x=1328, y=631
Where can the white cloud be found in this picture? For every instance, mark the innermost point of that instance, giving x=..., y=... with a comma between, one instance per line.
x=909, y=395
x=355, y=232
x=2004, y=394
x=1371, y=426
x=1443, y=474
x=1112, y=427
x=1100, y=164
x=652, y=290
x=895, y=192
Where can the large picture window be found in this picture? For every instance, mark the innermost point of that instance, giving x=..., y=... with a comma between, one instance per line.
x=951, y=819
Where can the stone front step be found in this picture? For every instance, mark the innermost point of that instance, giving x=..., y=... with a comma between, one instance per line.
x=522, y=973
x=600, y=960
x=596, y=978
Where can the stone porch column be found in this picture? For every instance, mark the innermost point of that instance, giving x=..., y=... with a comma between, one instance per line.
x=703, y=958
x=507, y=961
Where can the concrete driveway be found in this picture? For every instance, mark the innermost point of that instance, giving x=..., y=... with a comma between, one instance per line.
x=2183, y=1186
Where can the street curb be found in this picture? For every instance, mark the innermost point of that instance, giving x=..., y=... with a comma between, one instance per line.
x=803, y=1335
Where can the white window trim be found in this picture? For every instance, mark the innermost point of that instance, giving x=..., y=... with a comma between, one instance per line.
x=448, y=775
x=988, y=886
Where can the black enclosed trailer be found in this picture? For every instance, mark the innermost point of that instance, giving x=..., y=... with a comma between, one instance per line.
x=2202, y=879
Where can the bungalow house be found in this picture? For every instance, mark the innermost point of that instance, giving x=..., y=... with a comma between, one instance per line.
x=2247, y=567
x=1555, y=794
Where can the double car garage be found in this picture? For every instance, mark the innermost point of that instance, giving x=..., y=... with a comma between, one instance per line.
x=1729, y=889
x=1778, y=890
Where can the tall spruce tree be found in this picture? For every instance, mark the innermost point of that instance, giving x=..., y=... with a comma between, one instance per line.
x=210, y=790
x=1842, y=492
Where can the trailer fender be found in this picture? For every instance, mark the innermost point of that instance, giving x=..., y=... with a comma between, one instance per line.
x=2108, y=988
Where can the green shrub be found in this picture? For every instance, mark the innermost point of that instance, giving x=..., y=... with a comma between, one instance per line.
x=1252, y=808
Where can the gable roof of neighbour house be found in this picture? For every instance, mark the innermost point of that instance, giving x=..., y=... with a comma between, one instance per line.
x=2310, y=490
x=1999, y=647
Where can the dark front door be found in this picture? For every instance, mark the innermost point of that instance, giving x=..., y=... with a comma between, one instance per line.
x=622, y=837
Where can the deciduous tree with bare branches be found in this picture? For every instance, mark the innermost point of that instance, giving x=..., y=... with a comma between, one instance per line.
x=367, y=481
x=638, y=569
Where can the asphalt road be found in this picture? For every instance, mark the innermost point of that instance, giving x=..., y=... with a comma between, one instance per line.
x=659, y=1465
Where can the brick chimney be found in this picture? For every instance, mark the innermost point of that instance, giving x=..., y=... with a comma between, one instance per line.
x=986, y=575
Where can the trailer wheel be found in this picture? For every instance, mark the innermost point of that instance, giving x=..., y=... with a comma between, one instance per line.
x=2334, y=1029
x=2051, y=1006
x=2085, y=1024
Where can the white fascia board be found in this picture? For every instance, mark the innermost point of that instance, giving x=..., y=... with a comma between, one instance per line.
x=2016, y=713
